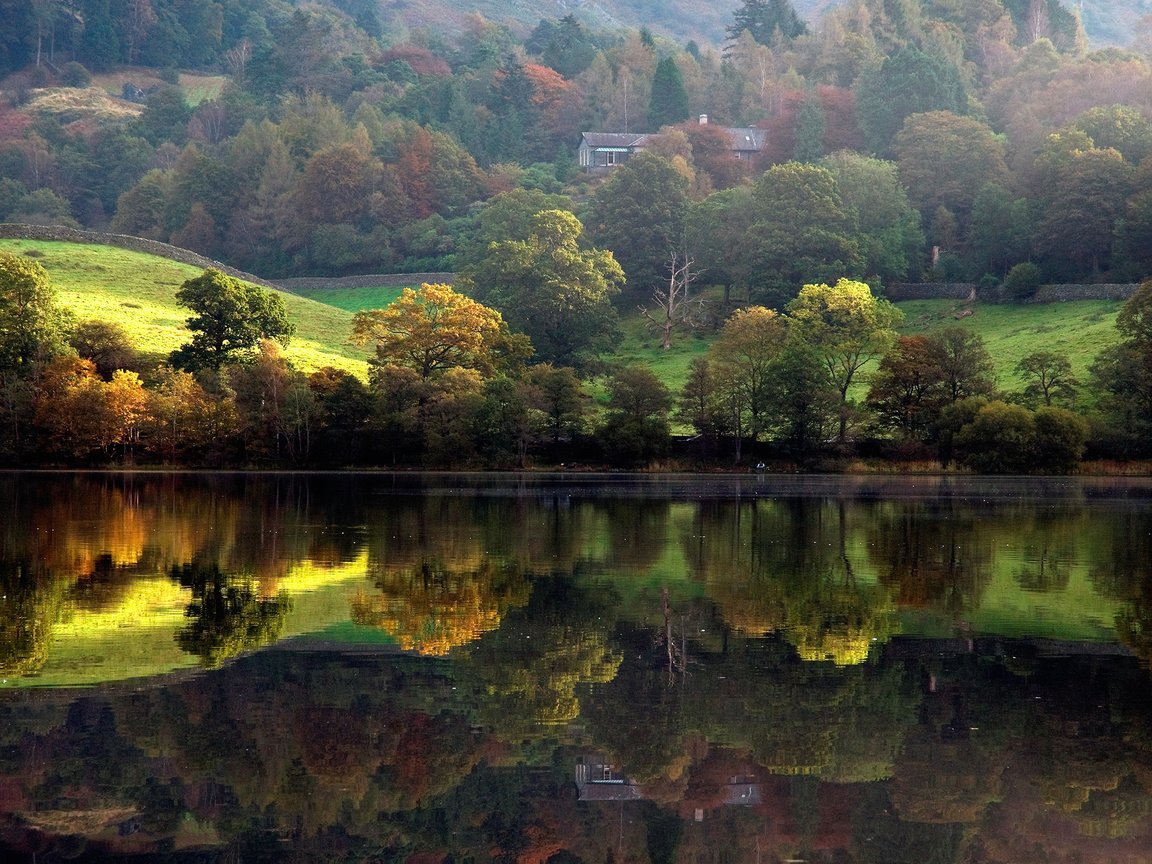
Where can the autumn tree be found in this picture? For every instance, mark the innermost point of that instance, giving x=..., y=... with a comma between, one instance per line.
x=847, y=327
x=433, y=328
x=551, y=289
x=106, y=344
x=231, y=317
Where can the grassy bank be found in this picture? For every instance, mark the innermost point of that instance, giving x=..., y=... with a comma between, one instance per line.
x=138, y=291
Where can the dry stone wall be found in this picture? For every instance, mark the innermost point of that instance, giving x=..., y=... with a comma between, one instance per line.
x=13, y=231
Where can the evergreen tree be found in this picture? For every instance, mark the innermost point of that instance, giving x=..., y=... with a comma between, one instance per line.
x=669, y=102
x=762, y=18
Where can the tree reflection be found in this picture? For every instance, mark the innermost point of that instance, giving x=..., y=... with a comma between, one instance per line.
x=31, y=603
x=431, y=608
x=528, y=671
x=227, y=615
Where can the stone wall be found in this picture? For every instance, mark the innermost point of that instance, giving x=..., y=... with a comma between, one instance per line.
x=14, y=231
x=1063, y=293
x=387, y=280
x=930, y=291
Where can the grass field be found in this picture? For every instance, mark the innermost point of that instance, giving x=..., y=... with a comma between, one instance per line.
x=352, y=299
x=138, y=291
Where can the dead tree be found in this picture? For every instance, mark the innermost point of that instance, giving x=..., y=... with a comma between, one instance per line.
x=675, y=307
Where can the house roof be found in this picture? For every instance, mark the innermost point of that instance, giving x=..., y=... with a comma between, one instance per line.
x=746, y=137
x=598, y=140
x=743, y=138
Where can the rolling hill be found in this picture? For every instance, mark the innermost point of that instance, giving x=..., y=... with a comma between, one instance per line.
x=138, y=291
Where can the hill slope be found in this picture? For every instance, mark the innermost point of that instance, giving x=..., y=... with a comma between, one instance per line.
x=138, y=291
x=1107, y=22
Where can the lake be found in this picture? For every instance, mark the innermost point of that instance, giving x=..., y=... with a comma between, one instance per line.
x=574, y=668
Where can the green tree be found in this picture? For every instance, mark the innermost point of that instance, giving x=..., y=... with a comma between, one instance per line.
x=1122, y=374
x=891, y=241
x=551, y=289
x=31, y=325
x=1048, y=377
x=945, y=159
x=800, y=229
x=908, y=82
x=1060, y=439
x=668, y=103
x=635, y=427
x=231, y=317
x=847, y=327
x=767, y=20
x=639, y=214
x=1000, y=439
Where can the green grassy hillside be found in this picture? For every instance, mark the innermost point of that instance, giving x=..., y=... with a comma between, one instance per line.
x=352, y=299
x=138, y=291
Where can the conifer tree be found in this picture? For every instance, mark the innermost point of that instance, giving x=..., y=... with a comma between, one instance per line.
x=762, y=18
x=669, y=101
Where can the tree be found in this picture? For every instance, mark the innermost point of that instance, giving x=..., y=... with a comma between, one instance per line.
x=964, y=364
x=668, y=103
x=891, y=241
x=231, y=317
x=1048, y=377
x=906, y=392
x=635, y=427
x=799, y=229
x=908, y=82
x=31, y=325
x=742, y=359
x=639, y=214
x=433, y=329
x=559, y=395
x=847, y=327
x=1122, y=374
x=1001, y=439
x=106, y=344
x=552, y=290
x=944, y=160
x=1060, y=439
x=767, y=20
x=676, y=307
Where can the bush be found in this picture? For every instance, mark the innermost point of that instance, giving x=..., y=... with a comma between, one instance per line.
x=1022, y=281
x=74, y=74
x=1060, y=440
x=1001, y=439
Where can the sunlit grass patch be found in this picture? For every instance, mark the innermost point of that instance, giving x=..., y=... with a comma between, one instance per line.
x=138, y=291
x=353, y=299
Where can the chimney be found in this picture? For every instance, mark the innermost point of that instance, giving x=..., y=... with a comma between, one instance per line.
x=703, y=119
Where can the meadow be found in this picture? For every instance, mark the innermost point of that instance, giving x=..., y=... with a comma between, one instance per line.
x=138, y=291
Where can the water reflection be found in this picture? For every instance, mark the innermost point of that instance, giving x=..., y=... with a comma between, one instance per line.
x=350, y=668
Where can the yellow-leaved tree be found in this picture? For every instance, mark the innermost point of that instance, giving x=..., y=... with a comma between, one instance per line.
x=434, y=328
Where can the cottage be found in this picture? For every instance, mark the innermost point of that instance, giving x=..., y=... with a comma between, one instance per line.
x=601, y=151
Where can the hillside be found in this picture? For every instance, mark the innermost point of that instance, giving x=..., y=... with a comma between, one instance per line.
x=138, y=291
x=1105, y=22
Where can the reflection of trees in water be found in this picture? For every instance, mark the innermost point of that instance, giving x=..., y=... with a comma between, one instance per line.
x=792, y=567
x=1123, y=549
x=32, y=602
x=227, y=615
x=431, y=608
x=528, y=671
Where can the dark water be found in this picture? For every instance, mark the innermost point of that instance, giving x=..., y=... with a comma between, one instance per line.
x=424, y=669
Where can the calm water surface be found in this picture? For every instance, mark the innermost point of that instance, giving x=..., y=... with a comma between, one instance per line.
x=458, y=668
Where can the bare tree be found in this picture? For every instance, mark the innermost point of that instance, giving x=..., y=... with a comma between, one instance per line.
x=675, y=307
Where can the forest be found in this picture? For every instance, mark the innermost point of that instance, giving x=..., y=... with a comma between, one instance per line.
x=904, y=141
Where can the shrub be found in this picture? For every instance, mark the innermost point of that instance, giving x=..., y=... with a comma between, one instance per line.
x=1001, y=439
x=74, y=74
x=1022, y=281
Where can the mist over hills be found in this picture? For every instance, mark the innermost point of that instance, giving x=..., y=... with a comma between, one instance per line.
x=1107, y=22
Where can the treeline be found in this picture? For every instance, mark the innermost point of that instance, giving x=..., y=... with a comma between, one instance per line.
x=452, y=384
x=903, y=141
